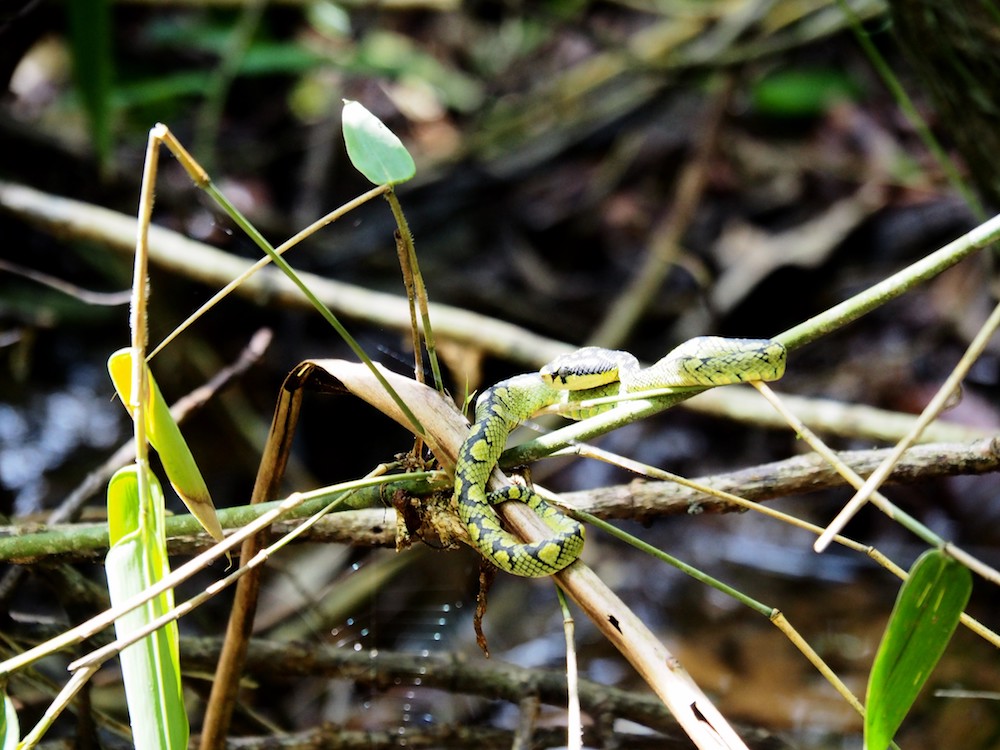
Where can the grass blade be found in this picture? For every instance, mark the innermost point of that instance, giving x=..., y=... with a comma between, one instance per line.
x=926, y=613
x=10, y=729
x=151, y=667
x=90, y=40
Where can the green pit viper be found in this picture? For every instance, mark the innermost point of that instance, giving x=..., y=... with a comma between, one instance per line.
x=590, y=372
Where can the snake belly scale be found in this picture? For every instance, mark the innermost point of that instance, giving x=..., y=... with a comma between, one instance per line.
x=590, y=372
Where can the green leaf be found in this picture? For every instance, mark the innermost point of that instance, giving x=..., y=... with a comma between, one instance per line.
x=93, y=67
x=164, y=435
x=123, y=505
x=925, y=615
x=10, y=730
x=802, y=92
x=151, y=666
x=374, y=150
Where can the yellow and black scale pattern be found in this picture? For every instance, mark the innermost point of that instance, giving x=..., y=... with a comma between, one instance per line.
x=498, y=411
x=588, y=373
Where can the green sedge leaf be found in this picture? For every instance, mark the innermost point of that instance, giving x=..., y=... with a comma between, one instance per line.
x=126, y=514
x=126, y=520
x=374, y=150
x=926, y=613
x=151, y=666
x=123, y=504
x=10, y=729
x=164, y=435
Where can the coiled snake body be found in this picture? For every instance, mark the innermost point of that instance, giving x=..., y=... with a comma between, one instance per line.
x=590, y=372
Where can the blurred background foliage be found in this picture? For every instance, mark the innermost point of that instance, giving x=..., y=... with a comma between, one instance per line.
x=748, y=145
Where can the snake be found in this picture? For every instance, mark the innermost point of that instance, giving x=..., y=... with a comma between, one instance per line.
x=590, y=372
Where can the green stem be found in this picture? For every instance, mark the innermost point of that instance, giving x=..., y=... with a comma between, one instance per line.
x=659, y=554
x=803, y=333
x=875, y=296
x=413, y=276
x=281, y=249
x=84, y=538
x=204, y=182
x=251, y=231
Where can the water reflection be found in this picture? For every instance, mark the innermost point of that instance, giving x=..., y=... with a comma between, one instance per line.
x=49, y=428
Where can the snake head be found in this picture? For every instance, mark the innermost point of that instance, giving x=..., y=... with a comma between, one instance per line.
x=589, y=367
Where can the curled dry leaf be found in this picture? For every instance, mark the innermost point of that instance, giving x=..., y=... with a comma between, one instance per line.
x=446, y=427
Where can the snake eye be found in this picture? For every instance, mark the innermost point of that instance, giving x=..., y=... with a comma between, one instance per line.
x=550, y=375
